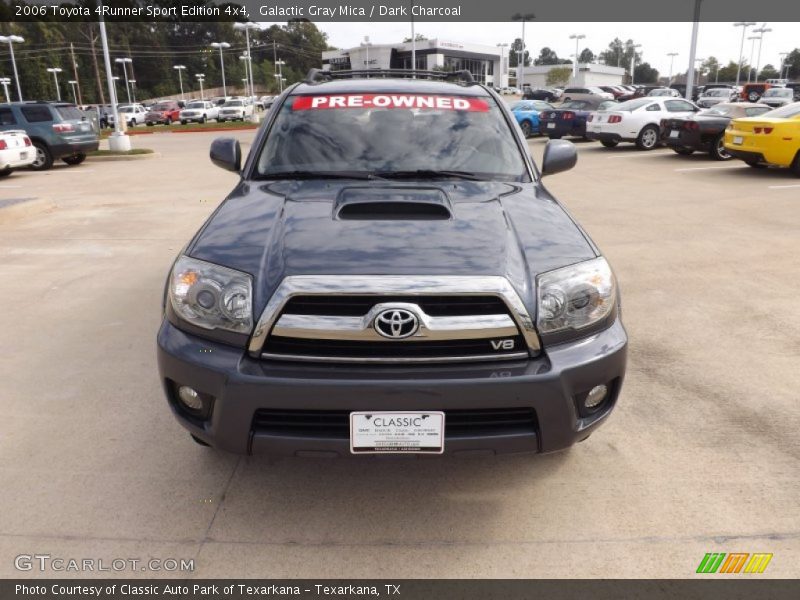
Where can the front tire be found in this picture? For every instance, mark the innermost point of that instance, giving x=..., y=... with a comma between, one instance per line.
x=169, y=121
x=75, y=159
x=683, y=151
x=795, y=168
x=202, y=119
x=609, y=143
x=183, y=122
x=753, y=96
x=44, y=160
x=5, y=173
x=133, y=122
x=648, y=138
x=718, y=150
x=526, y=128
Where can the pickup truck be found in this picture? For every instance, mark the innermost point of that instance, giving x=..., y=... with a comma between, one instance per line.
x=390, y=275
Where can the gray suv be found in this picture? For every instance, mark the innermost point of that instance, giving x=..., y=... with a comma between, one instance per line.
x=57, y=130
x=390, y=274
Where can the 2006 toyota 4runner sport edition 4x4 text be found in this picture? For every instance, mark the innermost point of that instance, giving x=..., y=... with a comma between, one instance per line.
x=390, y=275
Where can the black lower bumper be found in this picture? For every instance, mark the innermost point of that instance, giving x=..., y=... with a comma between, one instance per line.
x=604, y=137
x=746, y=156
x=562, y=128
x=552, y=385
x=75, y=147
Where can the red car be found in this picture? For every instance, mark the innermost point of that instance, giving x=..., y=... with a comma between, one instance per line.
x=163, y=112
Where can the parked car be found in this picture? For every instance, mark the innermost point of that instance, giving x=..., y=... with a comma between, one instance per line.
x=132, y=114
x=57, y=130
x=667, y=92
x=752, y=92
x=705, y=131
x=266, y=101
x=614, y=90
x=16, y=150
x=770, y=139
x=163, y=113
x=199, y=111
x=778, y=96
x=713, y=96
x=585, y=93
x=548, y=94
x=527, y=114
x=637, y=121
x=343, y=301
x=570, y=117
x=639, y=92
x=234, y=110
x=99, y=112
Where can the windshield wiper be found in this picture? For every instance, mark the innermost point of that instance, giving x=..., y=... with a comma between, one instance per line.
x=300, y=174
x=429, y=174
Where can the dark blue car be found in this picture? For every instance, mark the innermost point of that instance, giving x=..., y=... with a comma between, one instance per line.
x=570, y=117
x=527, y=114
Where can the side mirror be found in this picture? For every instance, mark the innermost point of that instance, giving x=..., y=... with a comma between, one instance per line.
x=559, y=155
x=226, y=154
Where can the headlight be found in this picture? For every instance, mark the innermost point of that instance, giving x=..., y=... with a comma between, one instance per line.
x=576, y=296
x=211, y=296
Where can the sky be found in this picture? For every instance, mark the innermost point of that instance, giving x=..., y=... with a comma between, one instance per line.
x=721, y=40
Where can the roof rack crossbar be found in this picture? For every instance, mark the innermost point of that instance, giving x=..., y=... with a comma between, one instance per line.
x=315, y=76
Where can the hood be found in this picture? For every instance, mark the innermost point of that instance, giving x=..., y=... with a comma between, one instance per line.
x=275, y=229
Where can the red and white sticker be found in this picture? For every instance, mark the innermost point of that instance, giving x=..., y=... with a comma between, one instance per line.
x=406, y=101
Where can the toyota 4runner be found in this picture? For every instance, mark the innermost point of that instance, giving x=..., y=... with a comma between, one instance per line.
x=390, y=275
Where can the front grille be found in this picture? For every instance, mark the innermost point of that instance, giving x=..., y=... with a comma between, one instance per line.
x=335, y=424
x=400, y=349
x=435, y=306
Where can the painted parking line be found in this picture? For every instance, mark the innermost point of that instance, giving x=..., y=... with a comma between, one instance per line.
x=708, y=168
x=783, y=187
x=638, y=155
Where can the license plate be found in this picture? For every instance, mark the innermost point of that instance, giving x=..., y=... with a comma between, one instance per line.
x=674, y=134
x=23, y=155
x=738, y=140
x=396, y=432
x=551, y=125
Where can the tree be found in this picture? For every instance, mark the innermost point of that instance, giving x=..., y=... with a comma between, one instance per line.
x=711, y=67
x=619, y=54
x=558, y=76
x=514, y=52
x=586, y=56
x=644, y=73
x=728, y=72
x=548, y=57
x=768, y=72
x=793, y=60
x=419, y=38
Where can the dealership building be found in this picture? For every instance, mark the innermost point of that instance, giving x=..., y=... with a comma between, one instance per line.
x=589, y=74
x=488, y=64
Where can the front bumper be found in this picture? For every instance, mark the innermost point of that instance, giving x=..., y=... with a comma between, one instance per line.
x=562, y=128
x=241, y=385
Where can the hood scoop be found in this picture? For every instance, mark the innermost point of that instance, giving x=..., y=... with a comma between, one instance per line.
x=392, y=204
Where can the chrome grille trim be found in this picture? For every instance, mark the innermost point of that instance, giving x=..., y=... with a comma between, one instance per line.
x=401, y=285
x=361, y=328
x=398, y=360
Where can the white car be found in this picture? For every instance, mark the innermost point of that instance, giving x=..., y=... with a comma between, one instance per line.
x=235, y=110
x=16, y=151
x=668, y=92
x=132, y=113
x=637, y=121
x=199, y=111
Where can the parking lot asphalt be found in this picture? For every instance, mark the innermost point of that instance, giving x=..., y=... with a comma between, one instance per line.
x=701, y=454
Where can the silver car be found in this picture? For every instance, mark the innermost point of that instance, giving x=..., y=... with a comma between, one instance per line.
x=778, y=96
x=715, y=96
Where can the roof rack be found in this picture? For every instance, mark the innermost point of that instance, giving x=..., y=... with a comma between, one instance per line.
x=316, y=76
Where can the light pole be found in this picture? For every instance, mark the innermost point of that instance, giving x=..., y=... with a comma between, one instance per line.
x=180, y=69
x=366, y=44
x=633, y=59
x=74, y=84
x=577, y=37
x=4, y=81
x=55, y=71
x=118, y=141
x=700, y=69
x=763, y=30
x=752, y=51
x=247, y=27
x=124, y=62
x=521, y=61
x=783, y=56
x=246, y=59
x=503, y=67
x=11, y=40
x=200, y=77
x=693, y=50
x=133, y=89
x=279, y=74
x=744, y=25
x=672, y=56
x=222, y=46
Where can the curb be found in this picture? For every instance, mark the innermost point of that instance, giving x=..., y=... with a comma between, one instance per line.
x=122, y=157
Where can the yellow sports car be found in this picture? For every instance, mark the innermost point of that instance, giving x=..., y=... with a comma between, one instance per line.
x=769, y=139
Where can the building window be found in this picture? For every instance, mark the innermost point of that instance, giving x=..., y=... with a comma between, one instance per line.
x=479, y=68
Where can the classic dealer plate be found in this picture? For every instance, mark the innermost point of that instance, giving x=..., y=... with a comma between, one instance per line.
x=551, y=125
x=738, y=140
x=402, y=431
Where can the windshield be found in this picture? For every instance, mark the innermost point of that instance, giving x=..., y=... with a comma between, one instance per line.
x=720, y=93
x=126, y=109
x=382, y=134
x=70, y=113
x=778, y=93
x=233, y=103
x=785, y=112
x=608, y=105
x=632, y=105
x=161, y=107
x=575, y=104
x=195, y=105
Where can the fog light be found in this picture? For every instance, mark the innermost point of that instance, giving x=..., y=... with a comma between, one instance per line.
x=190, y=398
x=595, y=396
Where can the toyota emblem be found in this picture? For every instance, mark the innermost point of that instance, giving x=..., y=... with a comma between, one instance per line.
x=396, y=323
